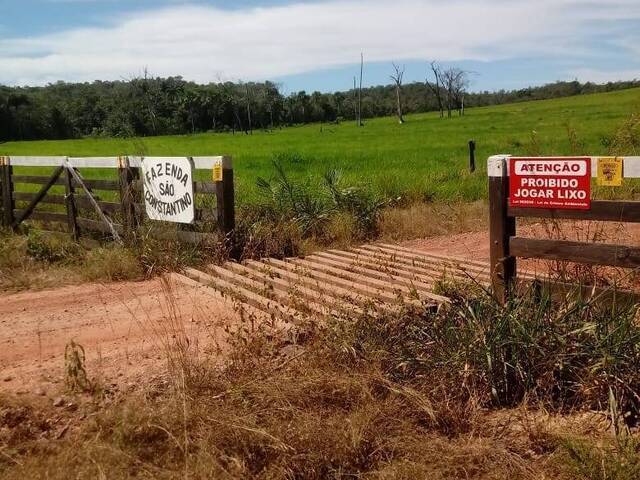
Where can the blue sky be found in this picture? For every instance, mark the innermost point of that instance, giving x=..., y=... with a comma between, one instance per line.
x=315, y=45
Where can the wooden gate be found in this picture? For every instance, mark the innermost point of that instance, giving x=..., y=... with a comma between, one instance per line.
x=506, y=246
x=64, y=200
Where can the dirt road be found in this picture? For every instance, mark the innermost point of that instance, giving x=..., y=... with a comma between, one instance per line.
x=121, y=324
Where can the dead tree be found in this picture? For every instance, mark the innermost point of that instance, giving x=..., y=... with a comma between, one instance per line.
x=355, y=101
x=248, y=100
x=455, y=82
x=436, y=86
x=360, y=91
x=397, y=79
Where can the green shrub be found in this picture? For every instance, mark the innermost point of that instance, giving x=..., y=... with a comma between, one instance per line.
x=52, y=248
x=313, y=206
x=572, y=354
x=595, y=462
x=112, y=263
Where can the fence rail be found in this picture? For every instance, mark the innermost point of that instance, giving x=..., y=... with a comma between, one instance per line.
x=506, y=246
x=123, y=206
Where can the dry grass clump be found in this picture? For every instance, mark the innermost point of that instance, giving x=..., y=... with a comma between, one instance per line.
x=587, y=231
x=626, y=139
x=36, y=261
x=111, y=263
x=406, y=394
x=45, y=259
x=422, y=220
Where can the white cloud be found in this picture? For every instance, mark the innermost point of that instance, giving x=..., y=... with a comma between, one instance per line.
x=203, y=43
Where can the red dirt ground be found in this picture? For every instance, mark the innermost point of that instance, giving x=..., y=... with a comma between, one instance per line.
x=116, y=323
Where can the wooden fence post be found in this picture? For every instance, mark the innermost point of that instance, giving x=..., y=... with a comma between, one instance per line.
x=225, y=198
x=6, y=181
x=70, y=204
x=127, y=177
x=472, y=156
x=501, y=227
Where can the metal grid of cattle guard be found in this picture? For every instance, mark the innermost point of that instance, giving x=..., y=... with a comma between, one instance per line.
x=336, y=282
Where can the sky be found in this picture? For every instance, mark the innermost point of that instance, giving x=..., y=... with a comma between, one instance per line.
x=316, y=44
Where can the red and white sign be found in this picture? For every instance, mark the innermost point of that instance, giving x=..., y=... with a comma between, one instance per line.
x=550, y=182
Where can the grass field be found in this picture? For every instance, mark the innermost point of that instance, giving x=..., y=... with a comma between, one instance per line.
x=424, y=158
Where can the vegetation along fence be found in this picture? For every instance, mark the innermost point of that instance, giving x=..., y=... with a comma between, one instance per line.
x=555, y=188
x=106, y=195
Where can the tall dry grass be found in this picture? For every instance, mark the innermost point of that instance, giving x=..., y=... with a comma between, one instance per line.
x=474, y=390
x=423, y=220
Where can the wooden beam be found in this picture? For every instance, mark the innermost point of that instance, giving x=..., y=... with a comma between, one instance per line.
x=70, y=204
x=44, y=216
x=127, y=176
x=501, y=227
x=101, y=227
x=105, y=220
x=205, y=187
x=472, y=156
x=225, y=198
x=579, y=252
x=99, y=184
x=81, y=199
x=603, y=210
x=6, y=185
x=39, y=180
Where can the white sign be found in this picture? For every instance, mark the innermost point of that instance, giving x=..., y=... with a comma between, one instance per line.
x=168, y=189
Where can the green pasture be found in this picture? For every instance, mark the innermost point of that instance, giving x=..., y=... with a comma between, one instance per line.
x=424, y=158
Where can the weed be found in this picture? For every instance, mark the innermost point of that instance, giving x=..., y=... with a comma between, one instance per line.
x=423, y=220
x=603, y=462
x=534, y=148
x=408, y=393
x=586, y=232
x=112, y=263
x=364, y=206
x=577, y=146
x=75, y=378
x=51, y=248
x=626, y=140
x=290, y=212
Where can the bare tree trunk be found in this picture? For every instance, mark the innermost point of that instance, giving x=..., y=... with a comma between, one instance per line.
x=248, y=109
x=355, y=101
x=400, y=118
x=360, y=91
x=436, y=88
x=397, y=79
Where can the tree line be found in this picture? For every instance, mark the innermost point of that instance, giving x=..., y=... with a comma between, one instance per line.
x=148, y=106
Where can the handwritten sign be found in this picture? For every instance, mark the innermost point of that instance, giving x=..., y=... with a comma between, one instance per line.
x=561, y=182
x=609, y=171
x=168, y=189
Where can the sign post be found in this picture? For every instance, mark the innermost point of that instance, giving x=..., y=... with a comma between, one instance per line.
x=550, y=182
x=168, y=189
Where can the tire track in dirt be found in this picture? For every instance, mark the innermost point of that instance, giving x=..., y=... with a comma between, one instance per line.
x=118, y=325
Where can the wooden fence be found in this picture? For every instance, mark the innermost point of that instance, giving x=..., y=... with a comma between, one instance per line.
x=64, y=200
x=506, y=246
